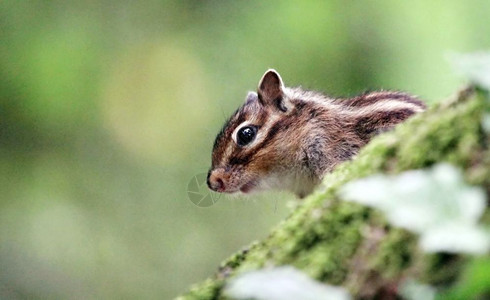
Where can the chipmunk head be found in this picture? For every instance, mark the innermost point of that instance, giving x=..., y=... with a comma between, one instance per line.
x=247, y=150
x=288, y=138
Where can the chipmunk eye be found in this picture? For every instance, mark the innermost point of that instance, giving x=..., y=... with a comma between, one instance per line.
x=246, y=135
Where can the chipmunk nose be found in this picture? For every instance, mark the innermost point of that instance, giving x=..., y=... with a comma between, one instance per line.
x=215, y=182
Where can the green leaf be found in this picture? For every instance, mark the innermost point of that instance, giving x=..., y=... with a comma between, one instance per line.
x=435, y=203
x=281, y=283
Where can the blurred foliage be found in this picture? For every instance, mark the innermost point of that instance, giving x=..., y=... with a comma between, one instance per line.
x=474, y=283
x=437, y=204
x=108, y=108
x=281, y=283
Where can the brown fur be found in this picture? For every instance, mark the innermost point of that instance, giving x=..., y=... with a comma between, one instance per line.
x=301, y=135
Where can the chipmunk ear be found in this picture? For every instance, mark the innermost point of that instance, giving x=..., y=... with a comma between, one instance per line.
x=270, y=90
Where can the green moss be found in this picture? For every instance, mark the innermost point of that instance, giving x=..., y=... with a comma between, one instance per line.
x=347, y=244
x=442, y=269
x=450, y=135
x=396, y=253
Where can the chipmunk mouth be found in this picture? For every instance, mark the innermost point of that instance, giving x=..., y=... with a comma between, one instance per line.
x=247, y=187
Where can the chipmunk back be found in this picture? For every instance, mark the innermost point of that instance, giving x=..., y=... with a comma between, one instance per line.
x=289, y=138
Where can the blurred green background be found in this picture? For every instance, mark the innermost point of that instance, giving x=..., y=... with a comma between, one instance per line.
x=109, y=108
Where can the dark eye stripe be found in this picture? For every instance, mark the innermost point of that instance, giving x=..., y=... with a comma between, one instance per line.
x=240, y=161
x=243, y=158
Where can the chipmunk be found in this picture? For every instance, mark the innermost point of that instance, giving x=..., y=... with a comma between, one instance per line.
x=289, y=138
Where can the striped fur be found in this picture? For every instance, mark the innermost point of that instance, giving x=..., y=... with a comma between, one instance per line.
x=301, y=135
